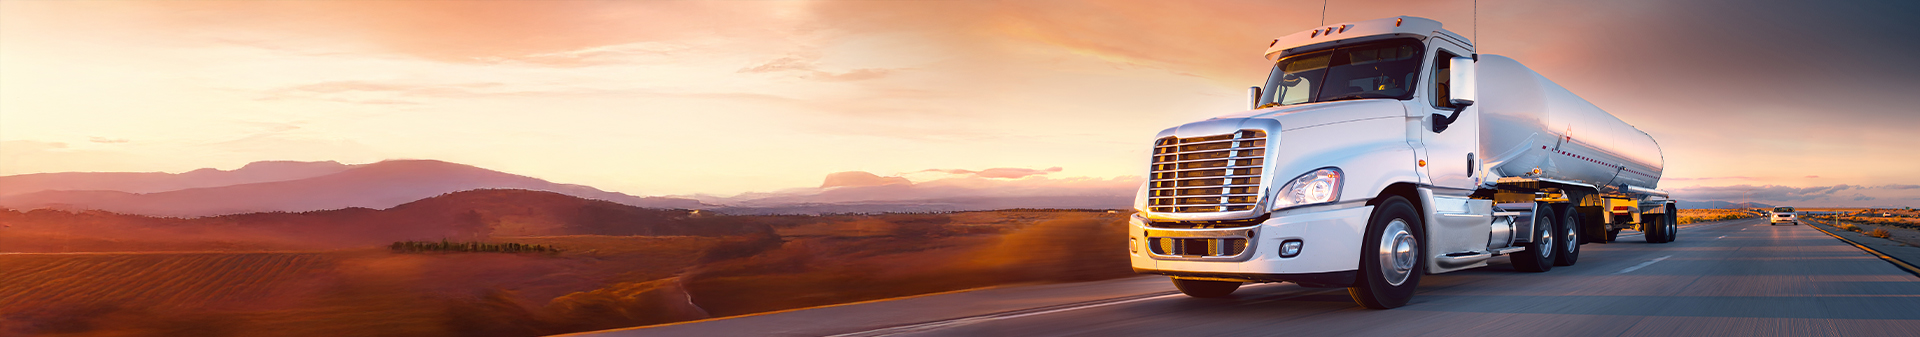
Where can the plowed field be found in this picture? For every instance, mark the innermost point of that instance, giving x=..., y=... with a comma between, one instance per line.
x=157, y=281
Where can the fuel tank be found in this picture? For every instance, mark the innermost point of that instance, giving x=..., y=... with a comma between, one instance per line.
x=1529, y=123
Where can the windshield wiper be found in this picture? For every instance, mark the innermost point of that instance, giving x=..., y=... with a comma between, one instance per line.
x=1363, y=95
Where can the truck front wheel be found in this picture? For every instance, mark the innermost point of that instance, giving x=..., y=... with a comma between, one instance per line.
x=1205, y=289
x=1391, y=260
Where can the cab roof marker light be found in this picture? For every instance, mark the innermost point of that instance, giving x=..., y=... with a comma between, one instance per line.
x=1396, y=22
x=1316, y=33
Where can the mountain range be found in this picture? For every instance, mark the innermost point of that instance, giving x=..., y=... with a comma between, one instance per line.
x=288, y=186
x=465, y=215
x=291, y=186
x=281, y=187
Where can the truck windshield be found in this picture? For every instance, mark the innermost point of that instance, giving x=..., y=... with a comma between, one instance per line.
x=1783, y=209
x=1382, y=69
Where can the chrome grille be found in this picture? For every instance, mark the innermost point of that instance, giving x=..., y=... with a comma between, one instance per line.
x=1219, y=173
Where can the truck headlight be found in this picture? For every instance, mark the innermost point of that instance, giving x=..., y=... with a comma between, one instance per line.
x=1317, y=187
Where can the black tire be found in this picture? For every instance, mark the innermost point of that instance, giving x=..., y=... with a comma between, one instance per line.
x=1673, y=224
x=1539, y=254
x=1655, y=230
x=1569, y=238
x=1613, y=235
x=1205, y=289
x=1385, y=257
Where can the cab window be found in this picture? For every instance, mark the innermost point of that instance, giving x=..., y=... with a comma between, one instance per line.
x=1442, y=63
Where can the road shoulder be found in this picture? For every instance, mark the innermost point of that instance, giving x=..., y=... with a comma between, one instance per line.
x=1909, y=255
x=840, y=319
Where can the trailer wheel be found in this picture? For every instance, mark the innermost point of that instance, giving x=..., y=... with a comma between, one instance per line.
x=1613, y=234
x=1391, y=259
x=1569, y=239
x=1656, y=230
x=1673, y=224
x=1539, y=254
x=1205, y=289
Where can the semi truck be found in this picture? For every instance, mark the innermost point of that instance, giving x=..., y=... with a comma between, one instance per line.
x=1379, y=151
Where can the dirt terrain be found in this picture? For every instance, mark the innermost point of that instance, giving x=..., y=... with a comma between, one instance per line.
x=264, y=284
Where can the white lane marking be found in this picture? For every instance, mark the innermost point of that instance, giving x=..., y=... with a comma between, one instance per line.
x=1641, y=265
x=1721, y=237
x=937, y=325
x=930, y=326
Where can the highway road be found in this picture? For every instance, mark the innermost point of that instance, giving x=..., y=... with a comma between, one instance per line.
x=1730, y=278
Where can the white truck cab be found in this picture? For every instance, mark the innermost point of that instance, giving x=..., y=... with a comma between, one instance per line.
x=1382, y=150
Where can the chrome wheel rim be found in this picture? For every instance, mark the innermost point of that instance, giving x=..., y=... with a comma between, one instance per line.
x=1399, y=250
x=1546, y=241
x=1573, y=240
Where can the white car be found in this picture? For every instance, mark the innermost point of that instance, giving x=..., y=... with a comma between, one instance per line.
x=1785, y=214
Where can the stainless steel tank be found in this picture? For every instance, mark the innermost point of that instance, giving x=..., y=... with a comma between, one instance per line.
x=1529, y=123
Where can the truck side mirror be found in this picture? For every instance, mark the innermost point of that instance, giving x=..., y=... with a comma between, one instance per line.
x=1461, y=91
x=1255, y=101
x=1463, y=85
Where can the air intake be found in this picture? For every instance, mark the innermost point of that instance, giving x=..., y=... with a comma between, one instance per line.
x=1219, y=173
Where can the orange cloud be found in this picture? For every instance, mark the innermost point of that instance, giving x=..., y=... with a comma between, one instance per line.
x=861, y=179
x=812, y=70
x=452, y=31
x=1001, y=172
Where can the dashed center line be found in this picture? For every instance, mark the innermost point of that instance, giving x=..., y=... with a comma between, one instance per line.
x=937, y=325
x=1641, y=265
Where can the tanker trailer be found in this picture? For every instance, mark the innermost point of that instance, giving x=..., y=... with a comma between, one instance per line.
x=1382, y=150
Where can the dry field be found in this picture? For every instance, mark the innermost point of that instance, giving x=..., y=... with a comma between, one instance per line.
x=1899, y=225
x=155, y=281
x=597, y=282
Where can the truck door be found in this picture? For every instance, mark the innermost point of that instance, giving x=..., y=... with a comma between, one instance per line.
x=1457, y=226
x=1451, y=162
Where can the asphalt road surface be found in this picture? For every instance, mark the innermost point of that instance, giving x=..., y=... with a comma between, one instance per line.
x=1732, y=278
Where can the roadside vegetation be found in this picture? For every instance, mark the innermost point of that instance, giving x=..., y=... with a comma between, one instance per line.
x=1898, y=225
x=469, y=247
x=1688, y=216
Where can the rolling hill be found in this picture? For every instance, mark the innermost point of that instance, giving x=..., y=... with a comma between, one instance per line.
x=151, y=182
x=378, y=185
x=465, y=215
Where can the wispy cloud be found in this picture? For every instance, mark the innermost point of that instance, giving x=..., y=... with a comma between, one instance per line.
x=1710, y=178
x=1779, y=193
x=810, y=69
x=1000, y=172
x=1764, y=192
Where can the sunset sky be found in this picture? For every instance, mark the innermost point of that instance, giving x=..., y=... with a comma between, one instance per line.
x=1784, y=102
